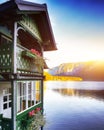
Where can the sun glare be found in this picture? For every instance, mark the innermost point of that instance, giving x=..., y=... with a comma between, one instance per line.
x=67, y=54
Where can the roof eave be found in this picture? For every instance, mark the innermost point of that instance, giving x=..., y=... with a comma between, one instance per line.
x=26, y=6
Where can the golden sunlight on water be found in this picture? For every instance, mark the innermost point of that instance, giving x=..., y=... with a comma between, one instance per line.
x=60, y=78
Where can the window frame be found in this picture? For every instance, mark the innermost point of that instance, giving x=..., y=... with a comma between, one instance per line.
x=30, y=98
x=7, y=94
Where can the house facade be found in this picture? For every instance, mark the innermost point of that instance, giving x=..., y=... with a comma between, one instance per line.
x=25, y=33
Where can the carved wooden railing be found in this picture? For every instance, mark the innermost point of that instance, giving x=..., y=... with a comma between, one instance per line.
x=27, y=62
x=5, y=58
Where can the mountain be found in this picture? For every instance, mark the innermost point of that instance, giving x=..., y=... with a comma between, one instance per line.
x=92, y=70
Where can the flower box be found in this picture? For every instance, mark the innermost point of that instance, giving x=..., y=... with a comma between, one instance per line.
x=28, y=54
x=38, y=60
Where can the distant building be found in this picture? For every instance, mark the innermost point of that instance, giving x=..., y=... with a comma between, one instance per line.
x=25, y=32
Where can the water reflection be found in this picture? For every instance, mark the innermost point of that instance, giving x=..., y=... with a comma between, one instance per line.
x=97, y=94
x=74, y=105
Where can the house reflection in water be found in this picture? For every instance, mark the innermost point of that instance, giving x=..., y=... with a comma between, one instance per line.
x=97, y=94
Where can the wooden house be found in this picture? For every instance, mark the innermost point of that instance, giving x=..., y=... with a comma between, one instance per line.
x=25, y=33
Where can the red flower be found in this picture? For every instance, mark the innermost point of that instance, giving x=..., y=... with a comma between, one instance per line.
x=33, y=112
x=38, y=109
x=30, y=114
x=35, y=52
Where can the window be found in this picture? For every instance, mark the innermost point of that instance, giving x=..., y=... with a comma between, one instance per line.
x=21, y=96
x=28, y=94
x=6, y=98
x=38, y=91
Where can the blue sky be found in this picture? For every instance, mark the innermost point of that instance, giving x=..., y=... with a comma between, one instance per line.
x=78, y=27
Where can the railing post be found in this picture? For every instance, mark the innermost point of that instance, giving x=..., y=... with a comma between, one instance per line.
x=14, y=48
x=14, y=104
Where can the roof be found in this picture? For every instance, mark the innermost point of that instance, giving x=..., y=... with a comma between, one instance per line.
x=13, y=9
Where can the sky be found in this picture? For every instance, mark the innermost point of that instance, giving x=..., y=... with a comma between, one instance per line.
x=78, y=28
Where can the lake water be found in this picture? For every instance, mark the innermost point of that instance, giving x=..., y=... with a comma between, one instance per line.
x=74, y=105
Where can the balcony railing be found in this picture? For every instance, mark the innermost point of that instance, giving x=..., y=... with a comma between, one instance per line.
x=27, y=62
x=5, y=58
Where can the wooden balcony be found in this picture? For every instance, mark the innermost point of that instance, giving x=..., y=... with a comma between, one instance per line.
x=5, y=58
x=27, y=63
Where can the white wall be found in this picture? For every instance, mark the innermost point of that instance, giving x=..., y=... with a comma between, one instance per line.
x=7, y=112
